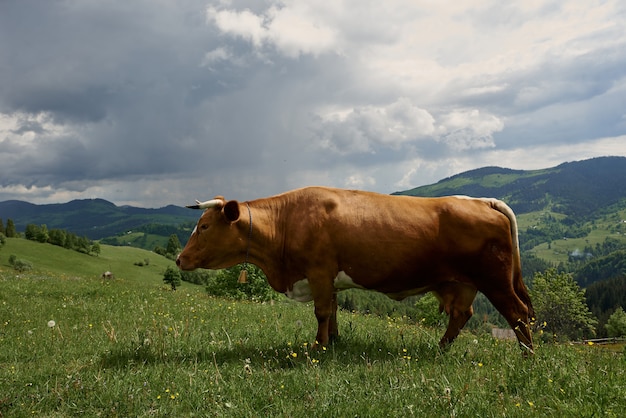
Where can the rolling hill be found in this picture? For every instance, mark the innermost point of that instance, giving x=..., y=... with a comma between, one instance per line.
x=580, y=189
x=93, y=218
x=126, y=263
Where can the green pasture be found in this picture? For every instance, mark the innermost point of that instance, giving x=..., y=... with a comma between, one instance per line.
x=75, y=345
x=51, y=259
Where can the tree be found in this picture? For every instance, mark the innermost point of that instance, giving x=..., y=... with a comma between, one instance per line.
x=57, y=237
x=82, y=245
x=1, y=227
x=42, y=234
x=10, y=229
x=616, y=325
x=95, y=249
x=560, y=306
x=3, y=239
x=173, y=246
x=70, y=241
x=31, y=232
x=172, y=277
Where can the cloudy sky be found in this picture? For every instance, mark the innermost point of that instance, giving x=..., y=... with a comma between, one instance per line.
x=156, y=102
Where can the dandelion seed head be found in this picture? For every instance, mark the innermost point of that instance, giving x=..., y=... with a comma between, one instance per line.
x=51, y=323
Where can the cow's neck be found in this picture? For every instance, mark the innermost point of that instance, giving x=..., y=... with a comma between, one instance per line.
x=264, y=242
x=245, y=263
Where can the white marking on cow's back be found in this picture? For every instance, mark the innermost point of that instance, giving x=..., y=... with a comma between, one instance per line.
x=300, y=291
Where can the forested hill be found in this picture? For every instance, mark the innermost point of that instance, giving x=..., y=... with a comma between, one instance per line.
x=93, y=218
x=579, y=189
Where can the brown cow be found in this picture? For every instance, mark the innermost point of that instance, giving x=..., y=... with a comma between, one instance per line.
x=315, y=241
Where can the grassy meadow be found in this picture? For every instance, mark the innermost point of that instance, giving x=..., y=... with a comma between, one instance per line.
x=72, y=344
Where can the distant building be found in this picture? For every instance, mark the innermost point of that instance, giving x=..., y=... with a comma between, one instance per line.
x=503, y=334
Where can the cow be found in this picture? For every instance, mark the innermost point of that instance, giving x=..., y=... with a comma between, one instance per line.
x=315, y=241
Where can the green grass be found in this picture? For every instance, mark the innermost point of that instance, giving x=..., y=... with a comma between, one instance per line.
x=131, y=347
x=532, y=219
x=138, y=239
x=558, y=250
x=52, y=259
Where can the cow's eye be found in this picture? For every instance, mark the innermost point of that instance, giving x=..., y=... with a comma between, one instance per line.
x=204, y=227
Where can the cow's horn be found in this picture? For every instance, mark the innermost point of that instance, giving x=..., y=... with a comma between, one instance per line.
x=208, y=204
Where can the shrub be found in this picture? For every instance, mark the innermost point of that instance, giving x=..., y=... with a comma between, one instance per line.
x=22, y=265
x=145, y=262
x=225, y=283
x=198, y=276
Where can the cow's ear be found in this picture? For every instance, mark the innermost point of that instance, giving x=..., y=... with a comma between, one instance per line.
x=231, y=210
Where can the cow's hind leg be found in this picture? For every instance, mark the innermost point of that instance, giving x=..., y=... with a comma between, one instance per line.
x=456, y=300
x=515, y=312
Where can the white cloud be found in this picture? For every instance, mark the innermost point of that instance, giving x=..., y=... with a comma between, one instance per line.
x=469, y=129
x=243, y=23
x=290, y=27
x=364, y=129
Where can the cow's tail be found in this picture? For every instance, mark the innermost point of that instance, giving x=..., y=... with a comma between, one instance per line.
x=518, y=283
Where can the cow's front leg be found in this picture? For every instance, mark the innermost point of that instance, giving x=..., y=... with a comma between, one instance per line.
x=325, y=301
x=333, y=329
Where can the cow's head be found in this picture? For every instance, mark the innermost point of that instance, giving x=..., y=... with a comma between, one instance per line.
x=216, y=241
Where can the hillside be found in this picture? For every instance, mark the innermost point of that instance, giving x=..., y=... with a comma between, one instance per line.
x=121, y=261
x=580, y=189
x=93, y=218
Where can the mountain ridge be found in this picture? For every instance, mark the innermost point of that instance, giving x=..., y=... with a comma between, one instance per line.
x=93, y=218
x=578, y=188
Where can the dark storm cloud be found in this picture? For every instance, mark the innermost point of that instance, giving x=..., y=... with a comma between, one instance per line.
x=155, y=102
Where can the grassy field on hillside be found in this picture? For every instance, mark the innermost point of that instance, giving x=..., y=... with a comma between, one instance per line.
x=138, y=239
x=75, y=346
x=610, y=226
x=120, y=261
